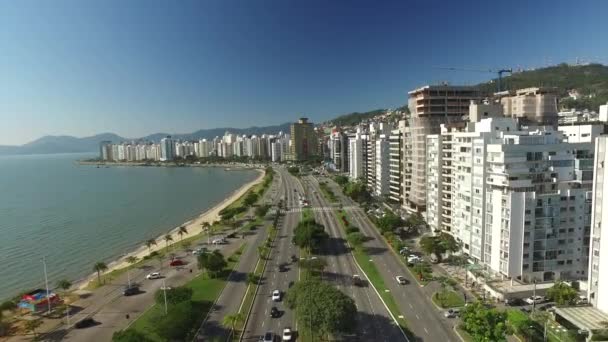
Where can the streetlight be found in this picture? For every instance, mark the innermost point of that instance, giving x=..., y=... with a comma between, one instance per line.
x=46, y=282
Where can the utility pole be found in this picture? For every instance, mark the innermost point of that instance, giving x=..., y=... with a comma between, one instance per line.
x=534, y=296
x=46, y=282
x=165, y=295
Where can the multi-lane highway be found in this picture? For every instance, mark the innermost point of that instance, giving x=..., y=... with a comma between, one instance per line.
x=373, y=320
x=260, y=321
x=425, y=321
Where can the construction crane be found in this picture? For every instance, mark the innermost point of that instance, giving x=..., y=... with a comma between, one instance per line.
x=493, y=71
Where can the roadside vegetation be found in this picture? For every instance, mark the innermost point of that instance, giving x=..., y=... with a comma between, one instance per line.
x=327, y=192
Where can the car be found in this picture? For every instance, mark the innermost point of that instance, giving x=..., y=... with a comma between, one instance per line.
x=451, y=313
x=177, y=262
x=130, y=290
x=219, y=241
x=404, y=251
x=357, y=281
x=525, y=310
x=153, y=275
x=268, y=337
x=401, y=280
x=582, y=300
x=276, y=295
x=282, y=268
x=534, y=300
x=274, y=312
x=514, y=302
x=287, y=334
x=199, y=250
x=85, y=323
x=413, y=259
x=546, y=307
x=294, y=258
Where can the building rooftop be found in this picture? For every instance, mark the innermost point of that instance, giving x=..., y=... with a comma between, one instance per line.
x=584, y=317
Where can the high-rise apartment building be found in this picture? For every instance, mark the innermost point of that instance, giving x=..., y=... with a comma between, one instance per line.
x=166, y=149
x=598, y=256
x=304, y=142
x=105, y=150
x=537, y=106
x=357, y=156
x=430, y=106
x=395, y=163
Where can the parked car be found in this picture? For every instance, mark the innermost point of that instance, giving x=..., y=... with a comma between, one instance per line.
x=274, y=312
x=452, y=313
x=85, y=323
x=357, y=281
x=130, y=290
x=401, y=280
x=276, y=295
x=546, y=307
x=153, y=275
x=268, y=337
x=582, y=300
x=287, y=334
x=218, y=241
x=534, y=300
x=413, y=259
x=514, y=302
x=177, y=262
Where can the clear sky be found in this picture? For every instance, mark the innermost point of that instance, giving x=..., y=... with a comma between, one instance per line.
x=140, y=67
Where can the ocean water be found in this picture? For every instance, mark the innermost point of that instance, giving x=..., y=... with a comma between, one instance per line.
x=75, y=215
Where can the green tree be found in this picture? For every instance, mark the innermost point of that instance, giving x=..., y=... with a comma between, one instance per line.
x=174, y=295
x=214, y=263
x=262, y=210
x=356, y=238
x=32, y=325
x=263, y=251
x=177, y=324
x=182, y=230
x=562, y=293
x=389, y=222
x=230, y=321
x=63, y=284
x=341, y=180
x=149, y=244
x=309, y=234
x=252, y=278
x=250, y=199
x=313, y=266
x=129, y=335
x=357, y=191
x=168, y=238
x=484, y=324
x=322, y=307
x=432, y=245
x=100, y=267
x=131, y=259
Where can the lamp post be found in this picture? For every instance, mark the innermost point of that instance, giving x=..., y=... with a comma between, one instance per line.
x=46, y=282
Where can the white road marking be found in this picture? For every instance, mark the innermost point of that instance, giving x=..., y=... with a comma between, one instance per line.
x=426, y=330
x=417, y=316
x=411, y=307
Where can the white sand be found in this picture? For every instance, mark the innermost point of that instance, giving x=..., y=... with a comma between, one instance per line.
x=193, y=226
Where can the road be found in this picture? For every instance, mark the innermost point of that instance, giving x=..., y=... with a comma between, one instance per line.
x=260, y=321
x=109, y=307
x=373, y=320
x=231, y=299
x=424, y=320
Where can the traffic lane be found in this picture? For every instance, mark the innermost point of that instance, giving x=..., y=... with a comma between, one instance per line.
x=413, y=302
x=374, y=321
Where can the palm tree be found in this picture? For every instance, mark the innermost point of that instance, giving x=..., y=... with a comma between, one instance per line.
x=182, y=230
x=207, y=227
x=100, y=267
x=167, y=239
x=149, y=244
x=132, y=259
x=230, y=321
x=63, y=284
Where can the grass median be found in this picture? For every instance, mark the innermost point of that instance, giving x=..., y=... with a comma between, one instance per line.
x=205, y=291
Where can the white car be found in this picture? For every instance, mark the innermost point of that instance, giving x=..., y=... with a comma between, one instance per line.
x=276, y=295
x=452, y=313
x=153, y=275
x=287, y=334
x=534, y=300
x=412, y=259
x=220, y=241
x=401, y=280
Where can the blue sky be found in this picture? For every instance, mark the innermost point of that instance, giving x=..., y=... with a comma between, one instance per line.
x=140, y=67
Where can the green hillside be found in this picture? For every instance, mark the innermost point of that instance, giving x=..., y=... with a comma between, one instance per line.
x=355, y=118
x=591, y=81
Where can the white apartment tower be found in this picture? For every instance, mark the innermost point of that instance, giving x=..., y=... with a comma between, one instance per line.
x=598, y=256
x=166, y=149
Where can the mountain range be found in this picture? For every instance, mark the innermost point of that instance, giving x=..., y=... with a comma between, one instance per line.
x=68, y=144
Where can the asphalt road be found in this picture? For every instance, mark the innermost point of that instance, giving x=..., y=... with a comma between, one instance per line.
x=231, y=299
x=373, y=320
x=260, y=321
x=423, y=318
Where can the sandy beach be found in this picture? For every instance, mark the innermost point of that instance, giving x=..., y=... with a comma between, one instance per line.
x=193, y=226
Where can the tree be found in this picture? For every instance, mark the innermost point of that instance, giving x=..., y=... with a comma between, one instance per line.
x=322, y=307
x=131, y=259
x=100, y=267
x=167, y=239
x=356, y=238
x=484, y=324
x=562, y=293
x=262, y=210
x=389, y=222
x=214, y=263
x=32, y=325
x=177, y=324
x=149, y=244
x=313, y=266
x=63, y=284
x=232, y=320
x=182, y=230
x=357, y=191
x=448, y=243
x=341, y=180
x=250, y=199
x=309, y=234
x=129, y=335
x=252, y=278
x=174, y=296
x=263, y=251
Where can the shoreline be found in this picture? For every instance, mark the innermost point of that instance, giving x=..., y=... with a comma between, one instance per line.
x=193, y=226
x=227, y=165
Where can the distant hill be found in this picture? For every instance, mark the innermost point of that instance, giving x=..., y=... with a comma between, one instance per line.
x=590, y=81
x=355, y=118
x=68, y=144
